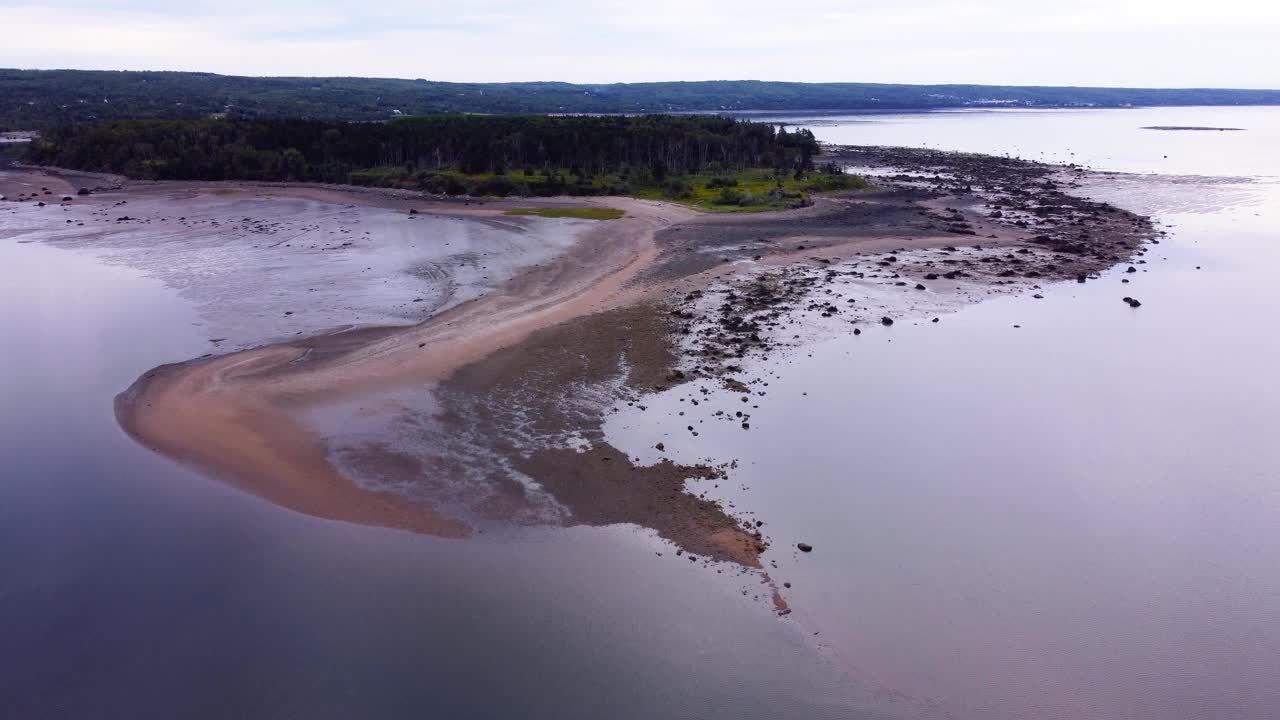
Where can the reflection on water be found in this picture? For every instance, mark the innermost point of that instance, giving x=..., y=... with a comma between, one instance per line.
x=1072, y=518
x=1100, y=139
x=130, y=587
x=1053, y=508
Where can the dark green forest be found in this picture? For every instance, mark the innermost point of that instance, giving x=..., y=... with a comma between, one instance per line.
x=454, y=154
x=32, y=99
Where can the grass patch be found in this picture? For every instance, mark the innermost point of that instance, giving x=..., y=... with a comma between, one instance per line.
x=592, y=213
x=226, y=191
x=720, y=191
x=755, y=190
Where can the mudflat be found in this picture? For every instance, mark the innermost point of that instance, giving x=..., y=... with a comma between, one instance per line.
x=488, y=407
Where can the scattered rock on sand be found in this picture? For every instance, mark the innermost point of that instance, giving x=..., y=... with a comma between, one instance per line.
x=804, y=547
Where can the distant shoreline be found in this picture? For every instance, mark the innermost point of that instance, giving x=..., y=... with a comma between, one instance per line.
x=39, y=98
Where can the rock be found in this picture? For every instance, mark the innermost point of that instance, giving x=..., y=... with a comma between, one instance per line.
x=66, y=198
x=886, y=321
x=660, y=447
x=1131, y=269
x=1133, y=302
x=919, y=286
x=413, y=211
x=804, y=547
x=82, y=191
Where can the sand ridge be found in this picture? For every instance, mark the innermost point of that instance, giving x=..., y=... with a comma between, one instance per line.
x=236, y=415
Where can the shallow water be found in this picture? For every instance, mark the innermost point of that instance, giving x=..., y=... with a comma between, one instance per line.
x=131, y=587
x=261, y=268
x=1077, y=517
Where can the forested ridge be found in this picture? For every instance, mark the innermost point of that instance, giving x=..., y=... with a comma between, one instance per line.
x=41, y=98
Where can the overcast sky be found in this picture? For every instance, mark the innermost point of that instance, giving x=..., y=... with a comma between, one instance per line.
x=1150, y=43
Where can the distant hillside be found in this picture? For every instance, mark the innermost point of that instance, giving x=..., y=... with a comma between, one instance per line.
x=39, y=98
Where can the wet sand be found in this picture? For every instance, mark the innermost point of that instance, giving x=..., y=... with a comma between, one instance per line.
x=202, y=411
x=525, y=375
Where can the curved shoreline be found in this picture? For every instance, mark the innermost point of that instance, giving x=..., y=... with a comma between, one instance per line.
x=611, y=301
x=235, y=416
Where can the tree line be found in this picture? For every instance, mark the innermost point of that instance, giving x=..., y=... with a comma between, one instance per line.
x=31, y=99
x=656, y=147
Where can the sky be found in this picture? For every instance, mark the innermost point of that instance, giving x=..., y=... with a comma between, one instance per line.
x=1133, y=43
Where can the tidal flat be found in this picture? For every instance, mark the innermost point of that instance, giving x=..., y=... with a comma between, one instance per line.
x=461, y=372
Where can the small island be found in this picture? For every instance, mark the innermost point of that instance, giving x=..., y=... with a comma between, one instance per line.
x=1192, y=128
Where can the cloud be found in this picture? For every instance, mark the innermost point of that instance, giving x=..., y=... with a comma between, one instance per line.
x=1088, y=42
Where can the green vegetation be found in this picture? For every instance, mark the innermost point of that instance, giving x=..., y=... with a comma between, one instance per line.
x=751, y=190
x=713, y=163
x=44, y=98
x=437, y=150
x=579, y=213
x=834, y=179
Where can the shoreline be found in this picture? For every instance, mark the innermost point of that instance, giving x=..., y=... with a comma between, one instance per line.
x=628, y=308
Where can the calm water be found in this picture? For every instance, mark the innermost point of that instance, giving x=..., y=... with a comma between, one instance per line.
x=1078, y=518
x=132, y=588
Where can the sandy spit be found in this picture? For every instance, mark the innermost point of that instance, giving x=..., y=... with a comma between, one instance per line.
x=620, y=297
